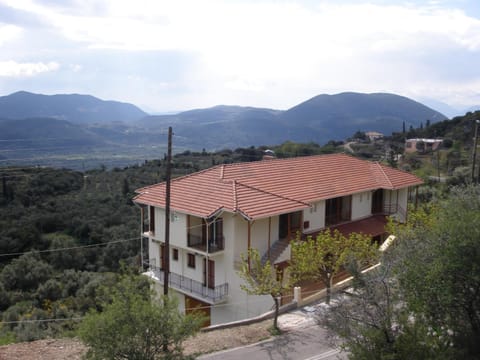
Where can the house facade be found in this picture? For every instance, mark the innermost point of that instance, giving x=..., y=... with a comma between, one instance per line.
x=422, y=145
x=218, y=214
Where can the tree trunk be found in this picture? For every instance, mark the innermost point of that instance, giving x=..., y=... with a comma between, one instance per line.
x=329, y=289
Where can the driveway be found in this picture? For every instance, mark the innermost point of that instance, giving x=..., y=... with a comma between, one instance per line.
x=303, y=340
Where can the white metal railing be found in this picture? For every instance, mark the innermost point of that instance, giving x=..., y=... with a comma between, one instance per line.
x=176, y=281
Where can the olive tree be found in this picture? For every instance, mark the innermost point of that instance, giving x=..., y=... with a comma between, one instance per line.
x=136, y=326
x=263, y=279
x=322, y=257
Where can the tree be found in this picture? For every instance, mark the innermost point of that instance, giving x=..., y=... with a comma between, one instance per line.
x=263, y=279
x=135, y=326
x=373, y=321
x=439, y=269
x=423, y=300
x=321, y=258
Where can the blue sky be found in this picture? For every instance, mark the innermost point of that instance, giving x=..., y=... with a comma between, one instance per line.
x=179, y=55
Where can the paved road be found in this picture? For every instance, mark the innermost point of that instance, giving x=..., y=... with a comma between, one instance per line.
x=302, y=343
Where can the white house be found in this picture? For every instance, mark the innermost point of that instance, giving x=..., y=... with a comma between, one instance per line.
x=219, y=213
x=422, y=145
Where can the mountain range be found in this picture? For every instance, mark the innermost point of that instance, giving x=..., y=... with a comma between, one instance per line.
x=72, y=121
x=80, y=109
x=320, y=119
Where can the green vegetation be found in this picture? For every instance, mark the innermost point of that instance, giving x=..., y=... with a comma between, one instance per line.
x=132, y=324
x=263, y=279
x=63, y=233
x=320, y=258
x=423, y=301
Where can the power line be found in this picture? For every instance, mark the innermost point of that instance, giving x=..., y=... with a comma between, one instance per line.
x=40, y=320
x=69, y=248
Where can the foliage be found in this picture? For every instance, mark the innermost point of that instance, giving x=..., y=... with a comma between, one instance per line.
x=440, y=271
x=322, y=257
x=422, y=301
x=263, y=279
x=373, y=322
x=134, y=326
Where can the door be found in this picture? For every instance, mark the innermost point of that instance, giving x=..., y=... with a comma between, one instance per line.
x=152, y=219
x=377, y=201
x=289, y=225
x=199, y=307
x=209, y=273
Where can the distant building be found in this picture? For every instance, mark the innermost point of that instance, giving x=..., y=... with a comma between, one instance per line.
x=422, y=145
x=269, y=154
x=373, y=135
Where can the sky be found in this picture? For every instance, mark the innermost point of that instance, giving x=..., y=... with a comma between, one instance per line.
x=166, y=56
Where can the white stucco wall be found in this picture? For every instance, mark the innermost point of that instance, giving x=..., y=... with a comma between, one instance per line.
x=178, y=229
x=159, y=224
x=260, y=234
x=154, y=253
x=316, y=217
x=240, y=238
x=178, y=226
x=177, y=266
x=361, y=205
x=240, y=305
x=403, y=198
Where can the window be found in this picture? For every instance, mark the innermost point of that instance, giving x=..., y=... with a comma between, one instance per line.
x=191, y=261
x=338, y=210
x=215, y=231
x=175, y=254
x=212, y=233
x=152, y=219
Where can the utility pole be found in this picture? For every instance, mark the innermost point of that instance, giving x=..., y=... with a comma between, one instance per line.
x=166, y=252
x=474, y=156
x=4, y=186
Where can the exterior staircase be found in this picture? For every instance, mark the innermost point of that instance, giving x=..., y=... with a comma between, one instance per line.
x=275, y=251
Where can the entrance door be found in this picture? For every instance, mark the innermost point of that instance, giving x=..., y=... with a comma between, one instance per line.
x=377, y=201
x=209, y=273
x=289, y=225
x=196, y=306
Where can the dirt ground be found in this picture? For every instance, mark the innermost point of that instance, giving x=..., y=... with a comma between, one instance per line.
x=73, y=349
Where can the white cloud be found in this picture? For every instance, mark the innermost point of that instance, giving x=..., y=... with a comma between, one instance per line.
x=15, y=69
x=267, y=53
x=76, y=67
x=9, y=33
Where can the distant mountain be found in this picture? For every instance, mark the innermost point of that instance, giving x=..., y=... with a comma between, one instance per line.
x=442, y=107
x=35, y=124
x=337, y=117
x=80, y=109
x=45, y=133
x=320, y=119
x=220, y=126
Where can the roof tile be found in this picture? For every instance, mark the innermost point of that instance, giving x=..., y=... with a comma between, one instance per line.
x=271, y=187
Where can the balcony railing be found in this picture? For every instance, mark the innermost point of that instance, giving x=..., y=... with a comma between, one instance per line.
x=210, y=246
x=390, y=209
x=193, y=287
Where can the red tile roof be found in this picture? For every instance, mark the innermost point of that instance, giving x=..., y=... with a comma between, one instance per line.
x=271, y=187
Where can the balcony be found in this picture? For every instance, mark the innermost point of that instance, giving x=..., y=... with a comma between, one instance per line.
x=191, y=287
x=201, y=244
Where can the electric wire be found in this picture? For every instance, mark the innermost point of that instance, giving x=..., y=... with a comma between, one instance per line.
x=70, y=248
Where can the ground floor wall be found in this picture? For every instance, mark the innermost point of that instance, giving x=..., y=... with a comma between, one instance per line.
x=238, y=305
